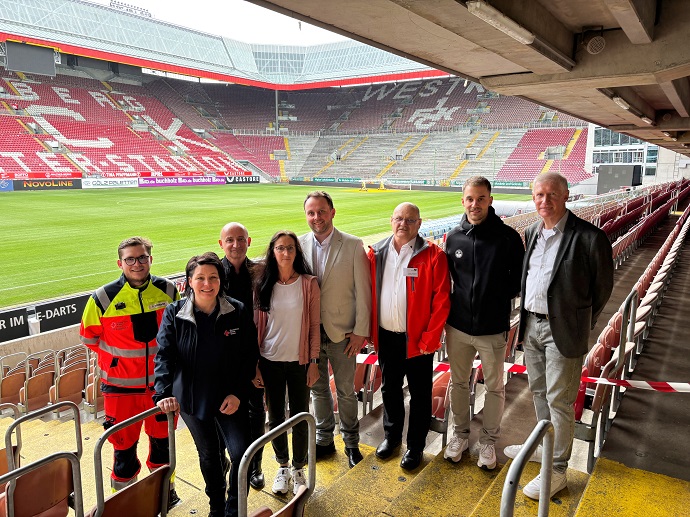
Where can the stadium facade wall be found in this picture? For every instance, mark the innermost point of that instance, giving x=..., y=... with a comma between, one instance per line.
x=51, y=340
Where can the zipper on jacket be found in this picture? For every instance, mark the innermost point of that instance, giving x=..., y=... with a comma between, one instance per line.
x=146, y=367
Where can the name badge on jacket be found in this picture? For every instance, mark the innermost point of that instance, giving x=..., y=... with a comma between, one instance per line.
x=412, y=272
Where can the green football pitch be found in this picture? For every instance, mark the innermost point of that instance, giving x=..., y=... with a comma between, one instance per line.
x=57, y=243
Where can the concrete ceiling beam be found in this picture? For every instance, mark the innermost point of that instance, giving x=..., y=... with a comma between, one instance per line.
x=636, y=18
x=678, y=93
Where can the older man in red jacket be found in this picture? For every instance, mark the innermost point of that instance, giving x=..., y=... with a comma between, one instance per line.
x=410, y=305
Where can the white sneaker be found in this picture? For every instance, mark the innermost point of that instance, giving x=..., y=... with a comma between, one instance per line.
x=456, y=446
x=558, y=483
x=513, y=450
x=487, y=456
x=282, y=480
x=298, y=480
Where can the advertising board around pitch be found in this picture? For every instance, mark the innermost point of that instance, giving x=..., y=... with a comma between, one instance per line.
x=61, y=313
x=14, y=324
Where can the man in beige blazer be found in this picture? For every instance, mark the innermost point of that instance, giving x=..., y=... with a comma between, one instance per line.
x=340, y=263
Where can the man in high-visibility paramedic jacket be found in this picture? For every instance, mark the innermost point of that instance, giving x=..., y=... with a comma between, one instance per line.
x=120, y=323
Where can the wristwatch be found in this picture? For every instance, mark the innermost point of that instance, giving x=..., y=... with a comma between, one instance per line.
x=314, y=361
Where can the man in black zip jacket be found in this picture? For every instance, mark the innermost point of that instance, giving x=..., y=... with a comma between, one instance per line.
x=239, y=278
x=485, y=262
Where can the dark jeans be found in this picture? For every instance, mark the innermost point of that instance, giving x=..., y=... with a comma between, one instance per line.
x=277, y=376
x=234, y=430
x=419, y=371
x=257, y=423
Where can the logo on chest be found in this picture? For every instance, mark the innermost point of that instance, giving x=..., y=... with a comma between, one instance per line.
x=230, y=332
x=458, y=254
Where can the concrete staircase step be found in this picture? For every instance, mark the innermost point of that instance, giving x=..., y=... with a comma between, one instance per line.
x=443, y=488
x=190, y=483
x=364, y=490
x=615, y=489
x=563, y=504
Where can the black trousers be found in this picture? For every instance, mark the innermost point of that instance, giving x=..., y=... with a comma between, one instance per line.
x=234, y=431
x=257, y=423
x=419, y=371
x=279, y=376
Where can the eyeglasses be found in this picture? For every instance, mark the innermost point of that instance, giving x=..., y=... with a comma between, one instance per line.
x=400, y=220
x=281, y=249
x=130, y=261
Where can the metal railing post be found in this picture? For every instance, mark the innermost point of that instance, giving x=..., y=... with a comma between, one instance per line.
x=263, y=440
x=543, y=430
x=98, y=460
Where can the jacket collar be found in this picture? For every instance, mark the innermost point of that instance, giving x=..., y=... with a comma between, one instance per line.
x=490, y=222
x=187, y=311
x=420, y=244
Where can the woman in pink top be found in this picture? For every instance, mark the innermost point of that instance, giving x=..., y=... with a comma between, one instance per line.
x=288, y=323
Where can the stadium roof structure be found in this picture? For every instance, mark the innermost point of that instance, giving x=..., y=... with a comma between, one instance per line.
x=622, y=64
x=92, y=30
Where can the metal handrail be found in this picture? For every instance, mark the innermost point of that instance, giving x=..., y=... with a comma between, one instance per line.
x=73, y=457
x=543, y=430
x=98, y=461
x=15, y=414
x=629, y=316
x=32, y=416
x=263, y=440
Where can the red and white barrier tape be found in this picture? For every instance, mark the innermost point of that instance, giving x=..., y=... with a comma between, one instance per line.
x=668, y=387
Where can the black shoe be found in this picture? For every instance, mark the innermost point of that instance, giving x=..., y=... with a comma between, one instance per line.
x=353, y=456
x=256, y=479
x=324, y=450
x=386, y=449
x=173, y=499
x=411, y=459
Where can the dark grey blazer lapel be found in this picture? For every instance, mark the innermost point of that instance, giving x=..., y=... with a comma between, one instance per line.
x=531, y=241
x=568, y=235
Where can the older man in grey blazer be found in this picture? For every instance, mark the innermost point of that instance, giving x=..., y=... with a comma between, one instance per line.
x=340, y=263
x=567, y=278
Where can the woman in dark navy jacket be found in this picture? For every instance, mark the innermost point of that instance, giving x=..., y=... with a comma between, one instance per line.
x=206, y=360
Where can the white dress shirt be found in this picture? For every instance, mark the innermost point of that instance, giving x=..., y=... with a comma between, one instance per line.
x=393, y=302
x=321, y=255
x=541, y=262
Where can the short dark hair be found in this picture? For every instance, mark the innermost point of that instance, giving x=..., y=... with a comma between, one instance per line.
x=477, y=181
x=205, y=259
x=320, y=193
x=134, y=241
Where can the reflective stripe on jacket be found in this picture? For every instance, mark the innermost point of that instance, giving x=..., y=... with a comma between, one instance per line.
x=120, y=323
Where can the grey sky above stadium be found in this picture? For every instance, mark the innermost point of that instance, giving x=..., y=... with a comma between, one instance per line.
x=153, y=40
x=236, y=19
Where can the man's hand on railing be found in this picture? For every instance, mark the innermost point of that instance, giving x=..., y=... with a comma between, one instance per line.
x=169, y=405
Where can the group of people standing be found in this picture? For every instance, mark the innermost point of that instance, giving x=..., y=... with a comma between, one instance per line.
x=250, y=331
